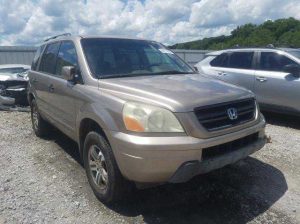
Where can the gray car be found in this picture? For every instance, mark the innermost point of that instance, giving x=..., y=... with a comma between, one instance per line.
x=272, y=74
x=138, y=112
x=13, y=84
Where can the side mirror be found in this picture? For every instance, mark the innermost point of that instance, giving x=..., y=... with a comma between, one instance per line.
x=196, y=69
x=293, y=70
x=68, y=73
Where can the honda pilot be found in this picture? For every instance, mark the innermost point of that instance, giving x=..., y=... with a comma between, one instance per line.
x=138, y=112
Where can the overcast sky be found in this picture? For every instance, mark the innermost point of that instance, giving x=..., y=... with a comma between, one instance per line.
x=28, y=22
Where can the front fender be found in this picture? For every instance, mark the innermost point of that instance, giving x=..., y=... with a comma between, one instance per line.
x=108, y=119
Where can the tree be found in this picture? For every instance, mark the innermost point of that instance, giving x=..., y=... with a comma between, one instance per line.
x=280, y=33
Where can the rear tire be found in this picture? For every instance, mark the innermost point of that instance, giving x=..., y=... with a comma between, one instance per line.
x=39, y=125
x=102, y=170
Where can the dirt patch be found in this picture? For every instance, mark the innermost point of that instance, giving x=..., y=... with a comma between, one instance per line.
x=42, y=181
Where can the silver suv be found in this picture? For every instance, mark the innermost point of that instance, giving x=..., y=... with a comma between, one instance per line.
x=138, y=112
x=272, y=74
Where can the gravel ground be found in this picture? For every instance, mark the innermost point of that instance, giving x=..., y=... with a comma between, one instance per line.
x=42, y=181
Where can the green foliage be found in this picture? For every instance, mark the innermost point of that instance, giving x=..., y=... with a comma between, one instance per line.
x=280, y=33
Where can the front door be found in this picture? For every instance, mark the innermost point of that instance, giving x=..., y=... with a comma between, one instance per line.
x=62, y=92
x=274, y=88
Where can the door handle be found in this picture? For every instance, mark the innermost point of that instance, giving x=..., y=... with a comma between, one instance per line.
x=261, y=79
x=51, y=88
x=222, y=73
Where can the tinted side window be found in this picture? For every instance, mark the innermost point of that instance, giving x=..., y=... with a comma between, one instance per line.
x=66, y=56
x=242, y=60
x=220, y=61
x=271, y=61
x=48, y=62
x=37, y=58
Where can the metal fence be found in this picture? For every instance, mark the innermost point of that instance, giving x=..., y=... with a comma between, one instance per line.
x=16, y=55
x=24, y=55
x=191, y=56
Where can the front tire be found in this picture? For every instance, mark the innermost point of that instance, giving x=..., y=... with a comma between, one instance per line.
x=102, y=171
x=39, y=125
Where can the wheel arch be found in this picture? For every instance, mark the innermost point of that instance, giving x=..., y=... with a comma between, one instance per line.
x=30, y=97
x=87, y=125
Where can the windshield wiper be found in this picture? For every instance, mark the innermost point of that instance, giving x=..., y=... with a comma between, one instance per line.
x=122, y=75
x=172, y=72
x=143, y=74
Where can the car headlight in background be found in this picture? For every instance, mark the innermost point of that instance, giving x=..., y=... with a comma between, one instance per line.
x=140, y=117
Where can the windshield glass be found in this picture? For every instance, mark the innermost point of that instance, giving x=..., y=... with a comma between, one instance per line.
x=108, y=58
x=10, y=71
x=295, y=53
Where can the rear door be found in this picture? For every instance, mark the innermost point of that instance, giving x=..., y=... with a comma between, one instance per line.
x=41, y=79
x=274, y=88
x=35, y=78
x=236, y=68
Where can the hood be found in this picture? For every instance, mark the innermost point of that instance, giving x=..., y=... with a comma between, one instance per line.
x=13, y=77
x=178, y=93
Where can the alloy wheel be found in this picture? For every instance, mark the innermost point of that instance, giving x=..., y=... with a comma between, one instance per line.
x=98, y=168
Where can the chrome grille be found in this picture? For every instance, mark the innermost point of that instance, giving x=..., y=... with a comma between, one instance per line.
x=216, y=117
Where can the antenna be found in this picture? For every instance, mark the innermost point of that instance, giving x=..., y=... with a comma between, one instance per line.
x=60, y=35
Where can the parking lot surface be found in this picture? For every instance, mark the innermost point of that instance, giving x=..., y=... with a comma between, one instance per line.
x=43, y=181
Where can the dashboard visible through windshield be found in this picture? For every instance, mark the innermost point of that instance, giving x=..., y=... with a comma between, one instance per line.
x=109, y=58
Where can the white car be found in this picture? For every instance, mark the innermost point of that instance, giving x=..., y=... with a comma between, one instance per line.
x=273, y=74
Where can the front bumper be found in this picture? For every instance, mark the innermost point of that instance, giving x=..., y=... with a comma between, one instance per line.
x=176, y=159
x=4, y=100
x=13, y=92
x=192, y=168
x=14, y=96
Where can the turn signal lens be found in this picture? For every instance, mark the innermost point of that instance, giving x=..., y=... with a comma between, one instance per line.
x=133, y=125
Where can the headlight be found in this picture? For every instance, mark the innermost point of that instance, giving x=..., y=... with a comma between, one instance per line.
x=145, y=118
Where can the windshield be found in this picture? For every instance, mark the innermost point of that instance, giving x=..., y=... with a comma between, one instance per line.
x=295, y=53
x=10, y=71
x=108, y=58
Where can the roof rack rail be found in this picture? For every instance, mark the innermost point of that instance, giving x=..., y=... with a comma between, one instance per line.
x=237, y=46
x=60, y=35
x=270, y=46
